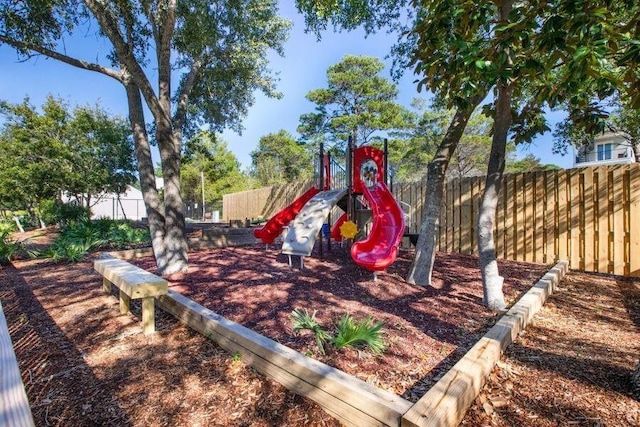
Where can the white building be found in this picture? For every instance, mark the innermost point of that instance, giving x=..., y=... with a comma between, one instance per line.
x=607, y=149
x=129, y=205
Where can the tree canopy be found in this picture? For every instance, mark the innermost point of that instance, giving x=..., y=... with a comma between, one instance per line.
x=357, y=102
x=82, y=152
x=207, y=156
x=217, y=51
x=280, y=159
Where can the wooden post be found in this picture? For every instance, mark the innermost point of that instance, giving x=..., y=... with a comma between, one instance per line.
x=148, y=315
x=618, y=220
x=106, y=286
x=14, y=404
x=125, y=303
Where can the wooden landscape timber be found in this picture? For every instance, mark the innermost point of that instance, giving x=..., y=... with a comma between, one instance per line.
x=14, y=405
x=355, y=402
x=352, y=401
x=449, y=399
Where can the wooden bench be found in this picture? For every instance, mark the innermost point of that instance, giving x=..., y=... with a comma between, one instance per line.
x=133, y=282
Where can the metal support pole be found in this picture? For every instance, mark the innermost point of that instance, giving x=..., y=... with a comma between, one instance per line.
x=202, y=181
x=350, y=179
x=321, y=186
x=385, y=159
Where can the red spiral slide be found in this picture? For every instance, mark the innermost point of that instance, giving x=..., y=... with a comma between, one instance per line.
x=380, y=248
x=273, y=227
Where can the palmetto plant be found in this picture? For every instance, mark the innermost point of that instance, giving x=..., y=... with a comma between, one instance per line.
x=8, y=248
x=302, y=320
x=351, y=333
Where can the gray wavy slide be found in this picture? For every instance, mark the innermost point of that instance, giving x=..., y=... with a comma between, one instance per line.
x=303, y=230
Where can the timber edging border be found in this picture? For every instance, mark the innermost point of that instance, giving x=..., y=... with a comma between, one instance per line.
x=353, y=401
x=14, y=404
x=446, y=402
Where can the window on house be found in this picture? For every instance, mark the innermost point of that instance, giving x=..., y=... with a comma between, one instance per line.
x=604, y=151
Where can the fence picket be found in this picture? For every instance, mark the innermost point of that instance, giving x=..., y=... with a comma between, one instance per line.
x=634, y=221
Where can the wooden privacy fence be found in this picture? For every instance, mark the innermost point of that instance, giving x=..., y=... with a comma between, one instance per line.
x=262, y=202
x=588, y=216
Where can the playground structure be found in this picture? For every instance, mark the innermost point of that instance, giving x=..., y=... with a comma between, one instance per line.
x=360, y=190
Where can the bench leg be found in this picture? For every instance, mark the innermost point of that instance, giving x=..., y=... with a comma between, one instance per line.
x=125, y=303
x=106, y=286
x=148, y=315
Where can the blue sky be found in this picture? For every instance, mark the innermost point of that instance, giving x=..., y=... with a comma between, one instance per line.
x=302, y=69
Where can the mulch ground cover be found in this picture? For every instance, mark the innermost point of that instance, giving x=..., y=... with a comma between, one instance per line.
x=85, y=364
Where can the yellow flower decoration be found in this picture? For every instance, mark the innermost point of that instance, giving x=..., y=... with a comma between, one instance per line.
x=348, y=230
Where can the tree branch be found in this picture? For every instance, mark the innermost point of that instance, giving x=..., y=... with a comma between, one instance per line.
x=125, y=55
x=183, y=96
x=115, y=74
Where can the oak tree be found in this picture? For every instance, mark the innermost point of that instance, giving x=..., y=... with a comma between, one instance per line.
x=191, y=62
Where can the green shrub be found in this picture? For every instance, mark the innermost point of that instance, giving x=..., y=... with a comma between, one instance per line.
x=77, y=238
x=302, y=320
x=121, y=234
x=62, y=214
x=9, y=249
x=66, y=252
x=83, y=234
x=351, y=333
x=7, y=226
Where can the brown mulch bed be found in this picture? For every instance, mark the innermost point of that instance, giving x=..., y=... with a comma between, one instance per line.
x=426, y=329
x=84, y=364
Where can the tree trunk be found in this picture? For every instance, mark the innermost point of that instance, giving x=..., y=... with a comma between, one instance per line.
x=493, y=297
x=18, y=224
x=175, y=238
x=150, y=195
x=422, y=267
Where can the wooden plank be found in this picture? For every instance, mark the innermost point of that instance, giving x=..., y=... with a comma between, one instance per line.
x=576, y=208
x=442, y=219
x=320, y=382
x=106, y=286
x=133, y=281
x=550, y=227
x=14, y=405
x=447, y=401
x=528, y=204
x=609, y=222
x=562, y=215
x=466, y=216
x=589, y=219
x=601, y=222
x=148, y=316
x=449, y=209
x=618, y=217
x=539, y=230
x=499, y=229
x=519, y=225
x=509, y=218
x=456, y=215
x=634, y=220
x=125, y=303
